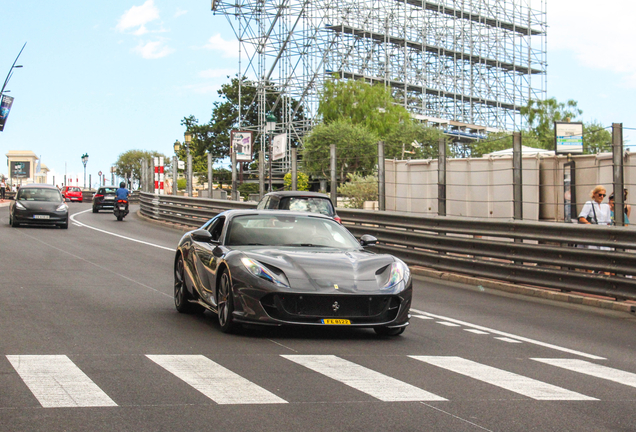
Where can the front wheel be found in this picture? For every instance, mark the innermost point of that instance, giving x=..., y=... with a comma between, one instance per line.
x=225, y=303
x=386, y=331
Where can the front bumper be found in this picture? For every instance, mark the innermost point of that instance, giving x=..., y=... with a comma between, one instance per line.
x=40, y=217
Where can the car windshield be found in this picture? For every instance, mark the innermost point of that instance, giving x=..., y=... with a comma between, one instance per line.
x=307, y=204
x=108, y=190
x=307, y=231
x=34, y=194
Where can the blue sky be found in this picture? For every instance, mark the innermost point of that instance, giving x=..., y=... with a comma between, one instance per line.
x=105, y=77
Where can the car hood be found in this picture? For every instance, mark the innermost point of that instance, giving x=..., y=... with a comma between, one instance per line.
x=40, y=205
x=325, y=269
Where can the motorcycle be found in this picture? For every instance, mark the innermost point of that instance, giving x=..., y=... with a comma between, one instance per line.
x=121, y=209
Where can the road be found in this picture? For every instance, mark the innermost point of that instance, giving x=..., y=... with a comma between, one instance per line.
x=90, y=341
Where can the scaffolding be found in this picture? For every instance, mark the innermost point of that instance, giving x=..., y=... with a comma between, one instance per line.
x=467, y=65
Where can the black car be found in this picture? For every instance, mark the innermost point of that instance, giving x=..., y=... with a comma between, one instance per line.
x=104, y=198
x=289, y=268
x=38, y=204
x=313, y=202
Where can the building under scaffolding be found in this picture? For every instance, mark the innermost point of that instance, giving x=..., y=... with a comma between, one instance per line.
x=464, y=65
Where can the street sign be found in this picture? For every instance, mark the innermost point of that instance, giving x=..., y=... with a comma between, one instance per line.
x=99, y=173
x=568, y=138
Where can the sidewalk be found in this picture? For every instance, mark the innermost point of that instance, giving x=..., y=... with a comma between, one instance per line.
x=5, y=203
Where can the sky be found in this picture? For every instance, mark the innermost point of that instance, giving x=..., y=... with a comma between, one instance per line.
x=106, y=77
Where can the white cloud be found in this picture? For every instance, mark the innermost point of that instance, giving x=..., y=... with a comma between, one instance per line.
x=600, y=37
x=228, y=48
x=153, y=50
x=180, y=12
x=216, y=73
x=136, y=18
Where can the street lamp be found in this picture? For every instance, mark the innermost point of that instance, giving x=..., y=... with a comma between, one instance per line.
x=188, y=139
x=13, y=66
x=84, y=161
x=270, y=126
x=175, y=164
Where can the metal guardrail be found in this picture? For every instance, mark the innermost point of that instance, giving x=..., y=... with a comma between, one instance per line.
x=547, y=254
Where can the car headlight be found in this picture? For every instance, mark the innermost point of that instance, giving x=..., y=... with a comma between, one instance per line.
x=259, y=270
x=62, y=207
x=19, y=206
x=397, y=273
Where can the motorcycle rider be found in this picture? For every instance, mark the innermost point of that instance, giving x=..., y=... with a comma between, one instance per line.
x=122, y=192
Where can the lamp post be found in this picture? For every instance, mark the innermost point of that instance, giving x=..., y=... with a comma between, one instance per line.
x=270, y=126
x=13, y=66
x=175, y=165
x=187, y=136
x=85, y=161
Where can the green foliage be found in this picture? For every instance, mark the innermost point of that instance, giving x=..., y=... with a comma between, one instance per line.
x=596, y=139
x=542, y=114
x=248, y=188
x=356, y=149
x=222, y=176
x=362, y=104
x=182, y=184
x=128, y=164
x=302, y=181
x=406, y=133
x=359, y=189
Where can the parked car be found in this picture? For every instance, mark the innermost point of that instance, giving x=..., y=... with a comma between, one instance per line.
x=72, y=193
x=289, y=268
x=38, y=204
x=104, y=198
x=313, y=202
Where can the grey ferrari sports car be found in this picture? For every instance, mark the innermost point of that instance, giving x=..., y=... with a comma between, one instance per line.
x=273, y=267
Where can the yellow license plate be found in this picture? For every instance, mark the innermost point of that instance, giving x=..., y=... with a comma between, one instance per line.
x=336, y=321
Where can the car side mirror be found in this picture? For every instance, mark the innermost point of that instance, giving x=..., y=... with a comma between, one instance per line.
x=202, y=235
x=368, y=240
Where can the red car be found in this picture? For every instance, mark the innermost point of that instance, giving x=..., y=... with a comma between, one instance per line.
x=72, y=193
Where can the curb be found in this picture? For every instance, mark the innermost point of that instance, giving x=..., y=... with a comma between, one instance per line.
x=174, y=226
x=544, y=293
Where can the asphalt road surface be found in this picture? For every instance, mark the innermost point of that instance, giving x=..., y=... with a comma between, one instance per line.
x=90, y=341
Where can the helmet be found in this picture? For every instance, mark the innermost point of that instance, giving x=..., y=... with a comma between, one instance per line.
x=122, y=185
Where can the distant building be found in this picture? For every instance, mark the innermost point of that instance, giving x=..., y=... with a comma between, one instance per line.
x=23, y=167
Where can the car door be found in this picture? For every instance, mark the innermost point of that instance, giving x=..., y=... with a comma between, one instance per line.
x=206, y=262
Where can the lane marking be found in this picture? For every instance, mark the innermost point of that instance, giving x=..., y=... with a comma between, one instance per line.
x=587, y=368
x=507, y=339
x=57, y=382
x=448, y=324
x=513, y=382
x=479, y=332
x=368, y=381
x=422, y=317
x=520, y=338
x=213, y=380
x=116, y=235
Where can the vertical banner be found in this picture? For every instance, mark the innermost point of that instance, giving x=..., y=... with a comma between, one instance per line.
x=241, y=144
x=5, y=108
x=161, y=176
x=279, y=146
x=156, y=177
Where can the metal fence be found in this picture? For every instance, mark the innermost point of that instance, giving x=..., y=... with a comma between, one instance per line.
x=552, y=255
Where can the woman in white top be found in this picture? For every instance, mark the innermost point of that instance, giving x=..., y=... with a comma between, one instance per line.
x=595, y=211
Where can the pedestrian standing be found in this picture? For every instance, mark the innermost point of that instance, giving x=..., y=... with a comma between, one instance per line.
x=3, y=188
x=595, y=211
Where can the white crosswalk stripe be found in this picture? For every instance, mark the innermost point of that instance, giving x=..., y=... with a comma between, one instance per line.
x=214, y=381
x=373, y=383
x=57, y=382
x=510, y=381
x=587, y=368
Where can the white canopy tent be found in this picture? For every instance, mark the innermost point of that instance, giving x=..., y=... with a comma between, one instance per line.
x=525, y=151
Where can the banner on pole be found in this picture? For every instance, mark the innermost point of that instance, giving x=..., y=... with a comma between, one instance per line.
x=5, y=108
x=279, y=146
x=568, y=138
x=241, y=143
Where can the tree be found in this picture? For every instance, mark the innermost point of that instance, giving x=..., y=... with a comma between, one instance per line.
x=542, y=114
x=128, y=164
x=359, y=189
x=362, y=104
x=356, y=149
x=302, y=181
x=408, y=132
x=596, y=139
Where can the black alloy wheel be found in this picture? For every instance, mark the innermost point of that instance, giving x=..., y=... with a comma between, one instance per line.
x=181, y=296
x=386, y=331
x=225, y=303
x=95, y=210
